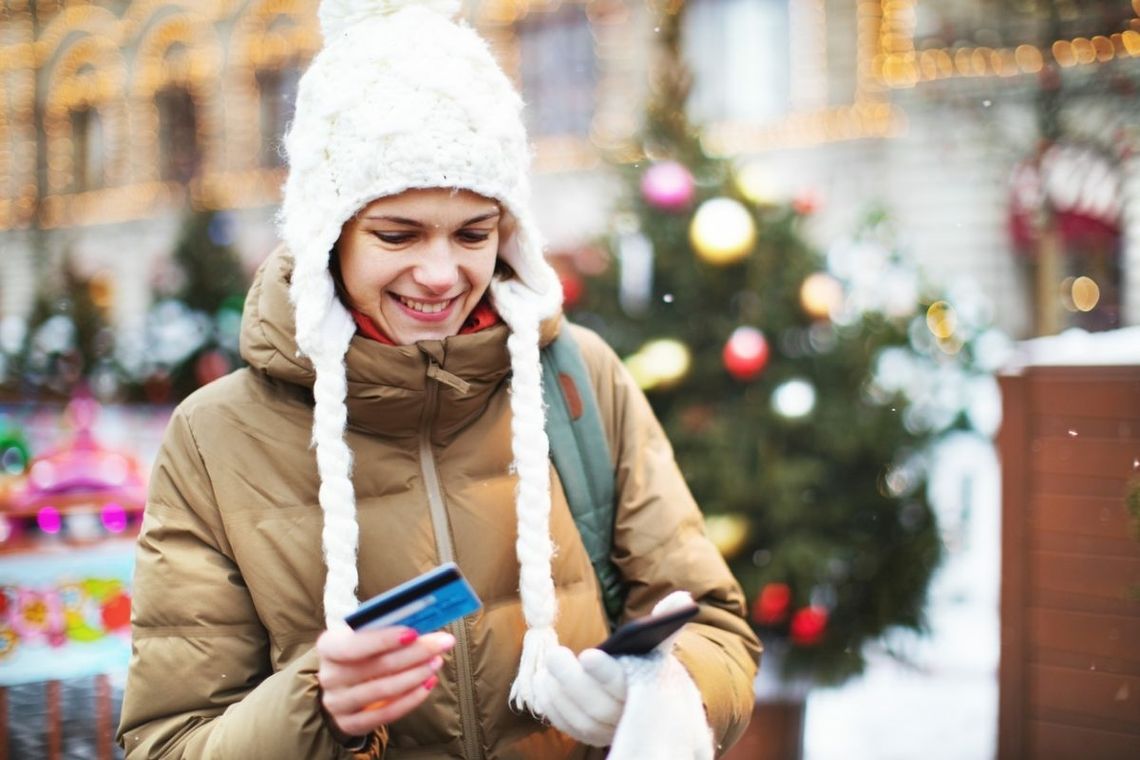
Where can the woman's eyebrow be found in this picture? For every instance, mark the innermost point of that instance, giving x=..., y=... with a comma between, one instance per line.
x=413, y=223
x=483, y=217
x=396, y=219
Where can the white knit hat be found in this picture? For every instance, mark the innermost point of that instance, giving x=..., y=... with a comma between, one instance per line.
x=403, y=97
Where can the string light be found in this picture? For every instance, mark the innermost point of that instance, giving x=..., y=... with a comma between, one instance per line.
x=879, y=23
x=18, y=184
x=273, y=35
x=897, y=66
x=83, y=45
x=88, y=75
x=1085, y=293
x=886, y=58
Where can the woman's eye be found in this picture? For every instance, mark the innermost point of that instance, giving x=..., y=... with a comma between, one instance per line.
x=393, y=238
x=474, y=236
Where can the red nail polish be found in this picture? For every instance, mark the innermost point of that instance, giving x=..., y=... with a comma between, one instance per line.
x=407, y=637
x=432, y=681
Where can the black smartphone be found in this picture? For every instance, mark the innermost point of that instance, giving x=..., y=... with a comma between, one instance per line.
x=641, y=635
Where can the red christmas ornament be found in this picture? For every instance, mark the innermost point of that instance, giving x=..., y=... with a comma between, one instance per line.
x=572, y=289
x=745, y=353
x=808, y=626
x=771, y=606
x=806, y=203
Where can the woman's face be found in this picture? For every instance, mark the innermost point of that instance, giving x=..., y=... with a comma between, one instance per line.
x=417, y=263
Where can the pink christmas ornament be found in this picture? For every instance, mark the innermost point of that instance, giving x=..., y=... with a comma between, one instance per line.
x=668, y=185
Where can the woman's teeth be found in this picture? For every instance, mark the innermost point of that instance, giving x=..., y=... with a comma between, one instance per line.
x=426, y=308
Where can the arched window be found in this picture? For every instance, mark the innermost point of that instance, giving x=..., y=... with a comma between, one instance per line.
x=559, y=71
x=178, y=134
x=88, y=149
x=738, y=51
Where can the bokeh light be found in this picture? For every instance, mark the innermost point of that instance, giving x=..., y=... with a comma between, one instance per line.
x=722, y=231
x=942, y=319
x=728, y=532
x=49, y=520
x=1085, y=293
x=759, y=184
x=794, y=399
x=659, y=363
x=1028, y=59
x=821, y=295
x=114, y=517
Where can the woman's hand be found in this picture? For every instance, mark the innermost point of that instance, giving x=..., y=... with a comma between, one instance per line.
x=372, y=677
x=583, y=696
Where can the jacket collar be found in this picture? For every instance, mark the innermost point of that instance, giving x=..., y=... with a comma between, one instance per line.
x=387, y=385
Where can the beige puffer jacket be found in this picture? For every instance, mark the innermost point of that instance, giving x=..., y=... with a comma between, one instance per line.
x=229, y=576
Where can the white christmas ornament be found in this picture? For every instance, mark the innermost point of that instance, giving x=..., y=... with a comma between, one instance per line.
x=13, y=330
x=635, y=278
x=794, y=399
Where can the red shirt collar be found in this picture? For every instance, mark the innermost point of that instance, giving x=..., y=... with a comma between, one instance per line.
x=480, y=318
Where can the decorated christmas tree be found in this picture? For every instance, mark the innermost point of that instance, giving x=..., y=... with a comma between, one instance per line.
x=67, y=340
x=192, y=329
x=764, y=368
x=189, y=338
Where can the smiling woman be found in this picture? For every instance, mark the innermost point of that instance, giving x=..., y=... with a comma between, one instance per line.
x=392, y=419
x=417, y=264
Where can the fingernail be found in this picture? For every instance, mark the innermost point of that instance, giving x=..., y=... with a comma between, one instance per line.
x=449, y=641
x=436, y=663
x=407, y=637
x=432, y=681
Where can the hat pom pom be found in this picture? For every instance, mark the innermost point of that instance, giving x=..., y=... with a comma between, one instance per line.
x=338, y=16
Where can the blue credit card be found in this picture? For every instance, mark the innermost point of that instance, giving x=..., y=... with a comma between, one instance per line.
x=425, y=603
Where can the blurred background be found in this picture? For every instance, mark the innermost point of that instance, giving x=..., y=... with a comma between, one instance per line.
x=875, y=262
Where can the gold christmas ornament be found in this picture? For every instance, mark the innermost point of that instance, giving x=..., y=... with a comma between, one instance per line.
x=821, y=295
x=942, y=319
x=659, y=363
x=728, y=532
x=722, y=231
x=758, y=184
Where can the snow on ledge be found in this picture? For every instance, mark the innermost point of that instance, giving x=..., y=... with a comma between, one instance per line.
x=1078, y=347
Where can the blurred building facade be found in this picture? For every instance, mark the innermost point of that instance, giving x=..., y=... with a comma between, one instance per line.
x=999, y=136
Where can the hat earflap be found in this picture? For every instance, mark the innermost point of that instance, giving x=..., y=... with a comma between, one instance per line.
x=324, y=331
x=519, y=307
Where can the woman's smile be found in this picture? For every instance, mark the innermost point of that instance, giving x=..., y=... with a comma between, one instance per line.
x=430, y=311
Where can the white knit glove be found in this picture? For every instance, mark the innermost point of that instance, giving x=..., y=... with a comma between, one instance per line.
x=582, y=696
x=664, y=716
x=640, y=706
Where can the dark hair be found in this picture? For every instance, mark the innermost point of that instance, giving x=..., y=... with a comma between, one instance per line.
x=338, y=279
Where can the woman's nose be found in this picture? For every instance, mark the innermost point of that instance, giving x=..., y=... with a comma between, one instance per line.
x=437, y=270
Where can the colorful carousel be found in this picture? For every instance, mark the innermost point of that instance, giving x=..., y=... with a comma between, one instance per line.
x=68, y=518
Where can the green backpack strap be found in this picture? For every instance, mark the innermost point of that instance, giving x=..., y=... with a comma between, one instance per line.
x=581, y=455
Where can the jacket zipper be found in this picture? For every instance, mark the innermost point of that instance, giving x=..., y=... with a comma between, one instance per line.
x=468, y=724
